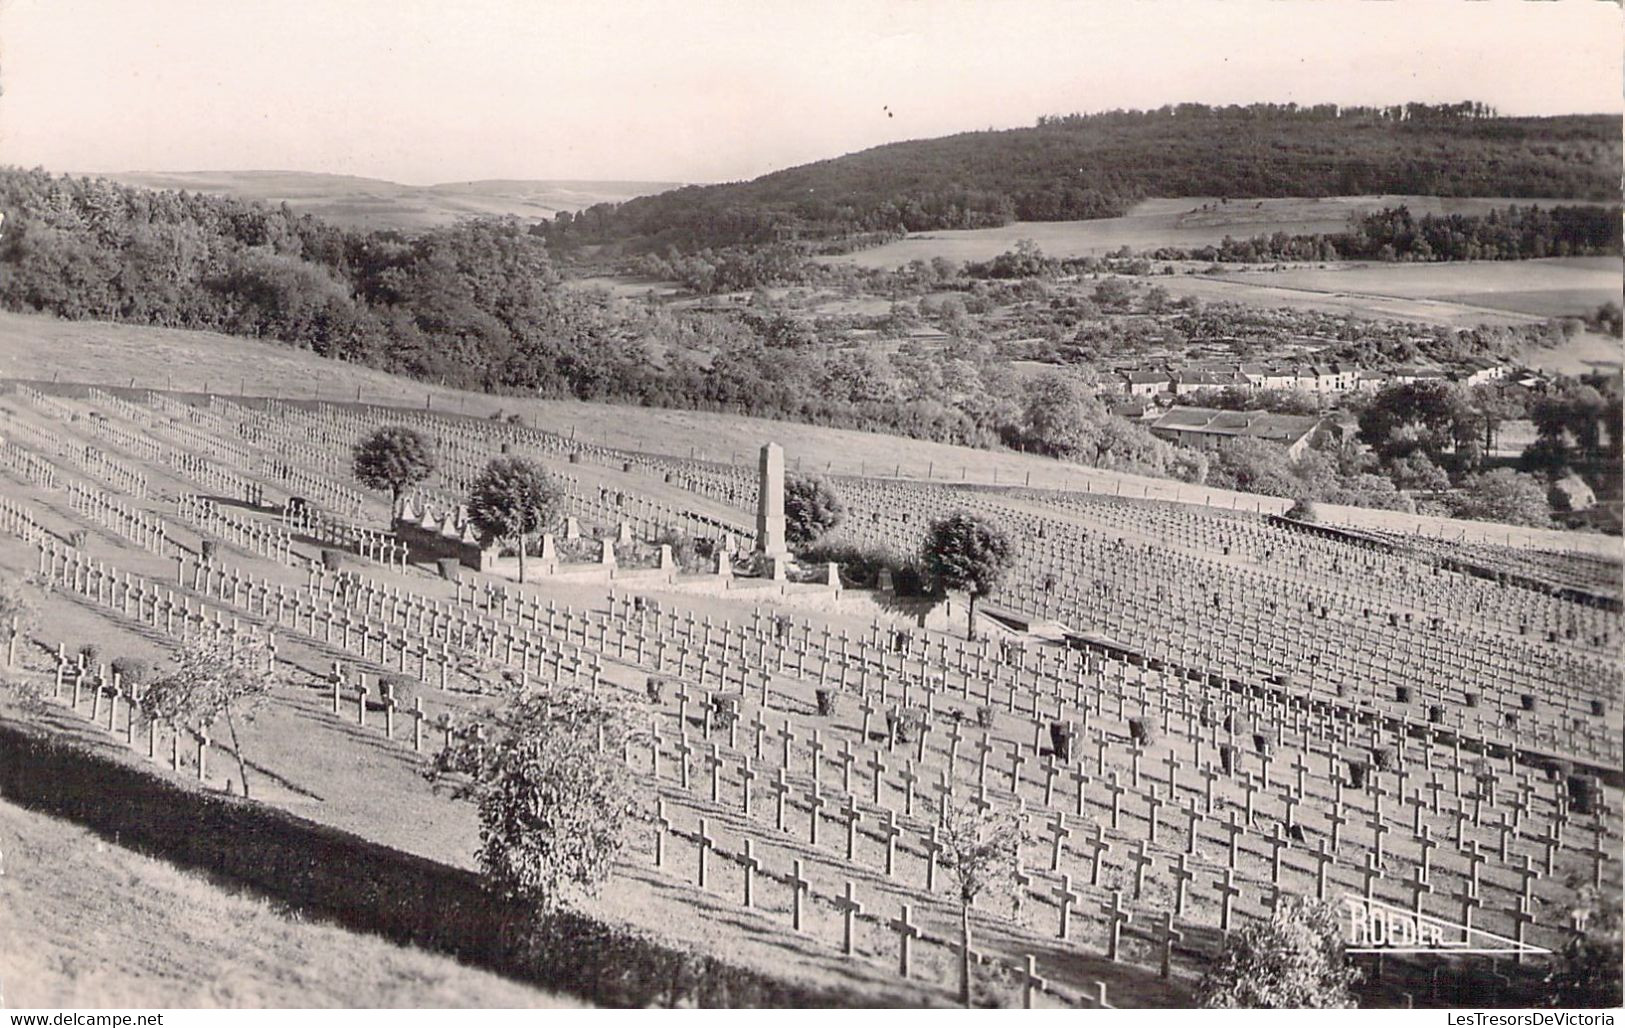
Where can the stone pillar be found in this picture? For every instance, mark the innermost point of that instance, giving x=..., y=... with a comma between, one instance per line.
x=770, y=503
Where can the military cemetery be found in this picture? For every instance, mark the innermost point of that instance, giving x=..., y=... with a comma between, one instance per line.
x=1028, y=506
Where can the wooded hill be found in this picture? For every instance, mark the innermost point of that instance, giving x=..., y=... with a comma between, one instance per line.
x=1092, y=166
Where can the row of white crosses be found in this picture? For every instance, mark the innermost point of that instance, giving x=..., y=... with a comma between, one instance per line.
x=142, y=443
x=28, y=465
x=259, y=537
x=50, y=406
x=121, y=476
x=140, y=526
x=142, y=600
x=1333, y=774
x=17, y=519
x=120, y=406
x=204, y=441
x=133, y=439
x=342, y=500
x=1154, y=570
x=110, y=470
x=135, y=596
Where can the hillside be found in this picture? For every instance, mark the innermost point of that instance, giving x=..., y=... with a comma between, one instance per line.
x=86, y=922
x=1097, y=166
x=372, y=203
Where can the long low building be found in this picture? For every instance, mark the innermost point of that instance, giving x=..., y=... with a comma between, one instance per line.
x=1203, y=428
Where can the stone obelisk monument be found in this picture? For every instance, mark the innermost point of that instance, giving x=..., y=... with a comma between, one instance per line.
x=770, y=503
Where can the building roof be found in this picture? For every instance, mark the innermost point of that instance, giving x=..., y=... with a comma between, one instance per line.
x=1142, y=377
x=1277, y=428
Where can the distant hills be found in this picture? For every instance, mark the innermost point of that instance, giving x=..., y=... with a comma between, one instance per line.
x=1096, y=166
x=371, y=203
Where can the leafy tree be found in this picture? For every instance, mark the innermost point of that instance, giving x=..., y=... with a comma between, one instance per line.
x=1059, y=417
x=213, y=680
x=553, y=812
x=1416, y=471
x=964, y=552
x=1501, y=495
x=512, y=498
x=1295, y=959
x=1252, y=466
x=981, y=853
x=811, y=508
x=392, y=458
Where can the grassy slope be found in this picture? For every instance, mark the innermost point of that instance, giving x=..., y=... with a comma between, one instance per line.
x=34, y=347
x=84, y=922
x=376, y=203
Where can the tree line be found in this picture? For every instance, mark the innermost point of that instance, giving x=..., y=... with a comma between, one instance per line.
x=1095, y=166
x=1395, y=234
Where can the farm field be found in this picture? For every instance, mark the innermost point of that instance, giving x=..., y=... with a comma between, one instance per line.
x=369, y=203
x=1545, y=288
x=1456, y=294
x=36, y=347
x=1177, y=222
x=85, y=922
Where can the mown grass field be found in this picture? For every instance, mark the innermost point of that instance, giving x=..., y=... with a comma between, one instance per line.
x=86, y=922
x=1177, y=222
x=1541, y=287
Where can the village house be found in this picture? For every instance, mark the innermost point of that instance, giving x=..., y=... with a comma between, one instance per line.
x=1203, y=428
x=1480, y=371
x=1145, y=383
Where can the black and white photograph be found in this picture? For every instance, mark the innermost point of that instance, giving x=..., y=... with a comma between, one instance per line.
x=1109, y=505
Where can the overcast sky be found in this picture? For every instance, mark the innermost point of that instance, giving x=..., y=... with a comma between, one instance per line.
x=428, y=91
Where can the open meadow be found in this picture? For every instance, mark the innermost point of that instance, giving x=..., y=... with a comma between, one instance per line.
x=1185, y=222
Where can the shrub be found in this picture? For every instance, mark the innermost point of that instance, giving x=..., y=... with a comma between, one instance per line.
x=860, y=563
x=811, y=508
x=1586, y=971
x=553, y=813
x=133, y=672
x=1295, y=959
x=826, y=698
x=1303, y=510
x=90, y=655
